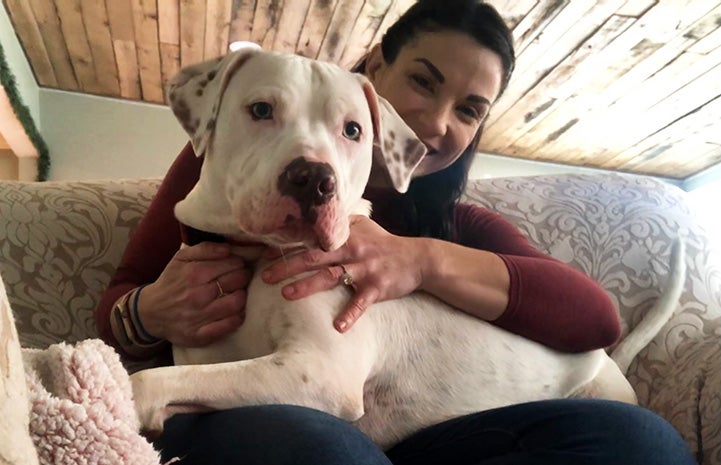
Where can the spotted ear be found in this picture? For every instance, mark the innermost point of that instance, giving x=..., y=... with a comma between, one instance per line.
x=196, y=91
x=395, y=146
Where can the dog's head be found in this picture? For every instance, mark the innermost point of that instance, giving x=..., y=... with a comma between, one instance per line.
x=288, y=145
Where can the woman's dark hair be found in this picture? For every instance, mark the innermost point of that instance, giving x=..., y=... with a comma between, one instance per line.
x=431, y=199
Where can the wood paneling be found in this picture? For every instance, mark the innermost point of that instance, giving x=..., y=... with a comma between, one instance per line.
x=290, y=26
x=192, y=31
x=48, y=22
x=27, y=29
x=122, y=33
x=169, y=38
x=145, y=24
x=629, y=85
x=95, y=21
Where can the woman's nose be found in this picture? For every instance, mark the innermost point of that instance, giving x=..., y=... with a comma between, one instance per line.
x=434, y=121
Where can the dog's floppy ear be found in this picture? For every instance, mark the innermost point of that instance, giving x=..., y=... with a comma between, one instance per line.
x=395, y=146
x=196, y=91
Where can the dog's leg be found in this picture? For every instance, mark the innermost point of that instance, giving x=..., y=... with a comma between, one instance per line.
x=307, y=378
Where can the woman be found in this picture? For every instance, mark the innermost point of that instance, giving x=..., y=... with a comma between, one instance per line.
x=442, y=65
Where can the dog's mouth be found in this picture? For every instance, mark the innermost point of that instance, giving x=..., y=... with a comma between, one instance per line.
x=294, y=231
x=281, y=221
x=315, y=235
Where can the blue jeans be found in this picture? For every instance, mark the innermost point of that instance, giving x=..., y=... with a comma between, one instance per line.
x=558, y=432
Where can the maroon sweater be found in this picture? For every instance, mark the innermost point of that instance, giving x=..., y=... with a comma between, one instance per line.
x=549, y=301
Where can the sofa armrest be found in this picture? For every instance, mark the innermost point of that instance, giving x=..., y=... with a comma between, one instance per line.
x=60, y=243
x=689, y=396
x=619, y=229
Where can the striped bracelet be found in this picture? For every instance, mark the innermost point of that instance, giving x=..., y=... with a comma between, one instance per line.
x=147, y=337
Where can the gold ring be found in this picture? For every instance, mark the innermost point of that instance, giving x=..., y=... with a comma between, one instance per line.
x=346, y=278
x=221, y=292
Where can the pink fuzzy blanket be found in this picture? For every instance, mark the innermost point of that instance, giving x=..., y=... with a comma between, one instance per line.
x=81, y=407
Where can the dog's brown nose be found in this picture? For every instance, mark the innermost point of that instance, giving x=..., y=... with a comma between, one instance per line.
x=310, y=183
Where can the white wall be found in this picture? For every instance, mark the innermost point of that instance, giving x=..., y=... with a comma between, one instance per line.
x=99, y=138
x=494, y=166
x=102, y=138
x=705, y=201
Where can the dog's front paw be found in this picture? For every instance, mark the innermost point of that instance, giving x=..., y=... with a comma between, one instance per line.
x=150, y=405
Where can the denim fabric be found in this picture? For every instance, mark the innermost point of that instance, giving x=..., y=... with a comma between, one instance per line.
x=266, y=435
x=558, y=432
x=555, y=432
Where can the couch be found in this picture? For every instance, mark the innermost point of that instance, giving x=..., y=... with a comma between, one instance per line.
x=61, y=241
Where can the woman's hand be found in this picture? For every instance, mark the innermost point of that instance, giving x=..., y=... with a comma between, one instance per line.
x=383, y=267
x=185, y=305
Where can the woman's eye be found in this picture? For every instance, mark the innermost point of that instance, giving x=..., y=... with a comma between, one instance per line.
x=261, y=110
x=352, y=130
x=421, y=81
x=470, y=112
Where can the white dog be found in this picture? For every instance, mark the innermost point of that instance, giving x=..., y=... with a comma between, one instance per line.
x=288, y=144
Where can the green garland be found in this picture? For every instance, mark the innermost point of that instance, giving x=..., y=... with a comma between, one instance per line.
x=23, y=114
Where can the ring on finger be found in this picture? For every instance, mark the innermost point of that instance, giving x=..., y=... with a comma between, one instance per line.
x=221, y=292
x=346, y=277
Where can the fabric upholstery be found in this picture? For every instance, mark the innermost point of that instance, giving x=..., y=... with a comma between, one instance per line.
x=60, y=242
x=619, y=229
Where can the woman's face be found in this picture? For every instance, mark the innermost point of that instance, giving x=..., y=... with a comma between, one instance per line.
x=443, y=85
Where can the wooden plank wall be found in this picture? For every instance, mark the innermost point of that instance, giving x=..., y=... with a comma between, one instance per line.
x=631, y=85
x=625, y=85
x=129, y=48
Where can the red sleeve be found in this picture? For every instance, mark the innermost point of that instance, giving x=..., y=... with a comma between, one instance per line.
x=154, y=241
x=549, y=301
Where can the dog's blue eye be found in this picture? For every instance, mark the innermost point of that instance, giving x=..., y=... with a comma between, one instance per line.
x=261, y=110
x=352, y=130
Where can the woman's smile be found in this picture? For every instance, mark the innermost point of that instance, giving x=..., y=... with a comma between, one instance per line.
x=442, y=85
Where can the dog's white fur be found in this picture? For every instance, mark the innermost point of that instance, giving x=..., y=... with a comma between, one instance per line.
x=405, y=364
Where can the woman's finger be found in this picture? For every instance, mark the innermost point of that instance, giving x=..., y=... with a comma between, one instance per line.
x=203, y=251
x=300, y=263
x=207, y=271
x=234, y=280
x=272, y=253
x=362, y=299
x=324, y=280
x=217, y=329
x=224, y=307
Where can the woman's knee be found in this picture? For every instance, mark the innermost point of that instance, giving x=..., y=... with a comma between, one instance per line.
x=628, y=433
x=321, y=438
x=272, y=435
